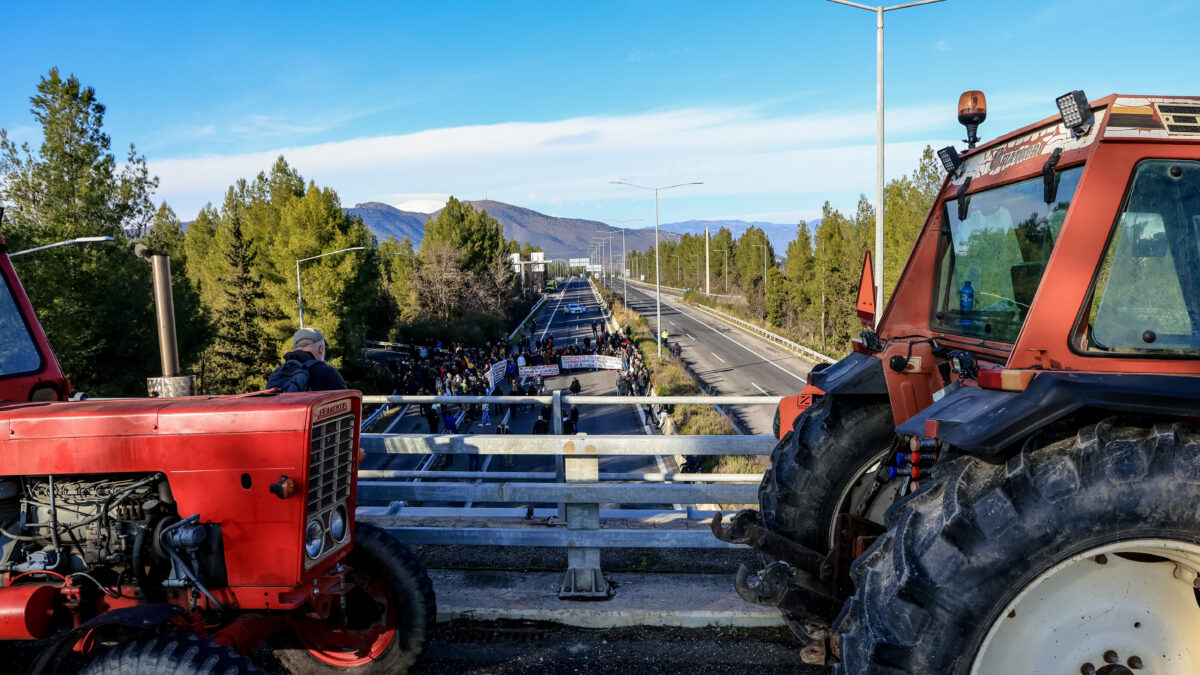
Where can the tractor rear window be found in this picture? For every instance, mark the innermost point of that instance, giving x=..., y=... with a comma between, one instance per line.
x=992, y=254
x=18, y=353
x=1147, y=291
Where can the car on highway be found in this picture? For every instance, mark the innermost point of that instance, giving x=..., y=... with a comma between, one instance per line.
x=574, y=308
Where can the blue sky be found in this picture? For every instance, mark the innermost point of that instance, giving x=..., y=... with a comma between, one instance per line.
x=540, y=104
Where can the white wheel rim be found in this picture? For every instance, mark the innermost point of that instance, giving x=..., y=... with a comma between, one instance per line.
x=1104, y=609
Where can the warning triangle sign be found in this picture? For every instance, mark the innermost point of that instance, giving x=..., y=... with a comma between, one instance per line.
x=866, y=294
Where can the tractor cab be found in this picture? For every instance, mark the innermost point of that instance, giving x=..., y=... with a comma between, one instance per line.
x=28, y=369
x=1002, y=475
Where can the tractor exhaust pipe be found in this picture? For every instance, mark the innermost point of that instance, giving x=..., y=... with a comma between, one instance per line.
x=171, y=384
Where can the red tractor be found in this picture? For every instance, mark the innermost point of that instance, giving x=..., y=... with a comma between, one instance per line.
x=178, y=534
x=1004, y=475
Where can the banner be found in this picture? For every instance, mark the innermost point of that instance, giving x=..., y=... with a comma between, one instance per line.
x=533, y=371
x=497, y=371
x=570, y=361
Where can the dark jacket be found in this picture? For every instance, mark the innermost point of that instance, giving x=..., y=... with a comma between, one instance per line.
x=321, y=375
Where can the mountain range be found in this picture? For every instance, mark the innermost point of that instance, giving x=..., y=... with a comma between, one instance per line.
x=558, y=237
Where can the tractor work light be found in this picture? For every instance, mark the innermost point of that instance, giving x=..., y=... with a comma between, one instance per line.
x=972, y=111
x=950, y=159
x=1076, y=112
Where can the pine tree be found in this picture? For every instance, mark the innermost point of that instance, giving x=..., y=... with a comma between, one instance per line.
x=241, y=357
x=94, y=302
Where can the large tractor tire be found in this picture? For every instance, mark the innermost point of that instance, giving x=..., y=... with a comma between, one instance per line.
x=820, y=469
x=179, y=654
x=817, y=468
x=389, y=616
x=1079, y=555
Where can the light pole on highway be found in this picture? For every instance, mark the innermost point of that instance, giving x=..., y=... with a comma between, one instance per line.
x=299, y=292
x=764, y=248
x=726, y=252
x=657, y=265
x=65, y=242
x=878, y=11
x=624, y=262
x=678, y=267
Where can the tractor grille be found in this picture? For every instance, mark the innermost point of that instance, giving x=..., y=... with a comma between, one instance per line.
x=331, y=458
x=329, y=464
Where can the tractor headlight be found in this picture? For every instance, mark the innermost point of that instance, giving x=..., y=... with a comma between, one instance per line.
x=314, y=539
x=337, y=524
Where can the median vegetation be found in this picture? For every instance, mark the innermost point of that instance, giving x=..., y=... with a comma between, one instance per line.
x=669, y=379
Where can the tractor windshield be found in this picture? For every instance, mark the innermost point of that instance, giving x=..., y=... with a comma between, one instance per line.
x=992, y=253
x=1147, y=290
x=18, y=352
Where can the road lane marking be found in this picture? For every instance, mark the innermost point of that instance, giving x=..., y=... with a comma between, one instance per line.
x=717, y=357
x=760, y=388
x=551, y=321
x=689, y=336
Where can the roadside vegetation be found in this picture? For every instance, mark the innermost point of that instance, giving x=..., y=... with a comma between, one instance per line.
x=234, y=268
x=810, y=297
x=669, y=379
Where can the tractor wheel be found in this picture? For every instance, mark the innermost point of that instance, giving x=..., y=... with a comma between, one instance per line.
x=823, y=467
x=817, y=469
x=177, y=654
x=388, y=616
x=1079, y=555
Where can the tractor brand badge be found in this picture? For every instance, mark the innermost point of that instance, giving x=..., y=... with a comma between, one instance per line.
x=1035, y=145
x=331, y=410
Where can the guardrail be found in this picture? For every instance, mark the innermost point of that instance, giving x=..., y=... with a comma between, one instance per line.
x=742, y=323
x=580, y=486
x=774, y=337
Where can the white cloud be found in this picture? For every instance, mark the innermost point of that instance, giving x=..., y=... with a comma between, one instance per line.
x=941, y=46
x=739, y=153
x=420, y=202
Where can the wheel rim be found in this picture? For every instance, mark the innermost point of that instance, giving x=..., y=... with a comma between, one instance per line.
x=853, y=492
x=369, y=630
x=1124, y=608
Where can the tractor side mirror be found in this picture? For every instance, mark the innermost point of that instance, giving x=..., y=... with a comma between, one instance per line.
x=866, y=294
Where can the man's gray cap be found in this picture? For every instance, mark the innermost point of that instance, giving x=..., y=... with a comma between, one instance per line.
x=305, y=337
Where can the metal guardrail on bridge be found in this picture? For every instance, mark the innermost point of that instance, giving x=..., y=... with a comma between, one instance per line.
x=578, y=485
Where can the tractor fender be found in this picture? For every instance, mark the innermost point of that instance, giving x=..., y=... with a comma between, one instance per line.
x=856, y=375
x=985, y=422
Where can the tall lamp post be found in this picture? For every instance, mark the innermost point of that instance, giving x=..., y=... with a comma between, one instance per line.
x=299, y=291
x=726, y=252
x=657, y=266
x=678, y=268
x=764, y=248
x=624, y=269
x=878, y=11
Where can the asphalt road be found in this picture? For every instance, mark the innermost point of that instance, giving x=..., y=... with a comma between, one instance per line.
x=730, y=360
x=552, y=321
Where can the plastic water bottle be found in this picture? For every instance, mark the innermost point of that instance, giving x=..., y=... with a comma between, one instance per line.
x=966, y=302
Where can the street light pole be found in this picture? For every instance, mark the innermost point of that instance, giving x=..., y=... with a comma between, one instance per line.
x=726, y=252
x=657, y=265
x=624, y=262
x=764, y=248
x=678, y=275
x=697, y=257
x=299, y=291
x=65, y=242
x=878, y=11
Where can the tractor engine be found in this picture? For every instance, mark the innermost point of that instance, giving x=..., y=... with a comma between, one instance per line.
x=106, y=527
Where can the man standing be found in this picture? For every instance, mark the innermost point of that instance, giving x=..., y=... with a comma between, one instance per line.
x=304, y=368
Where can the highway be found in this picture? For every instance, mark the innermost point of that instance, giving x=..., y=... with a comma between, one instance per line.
x=731, y=361
x=552, y=321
